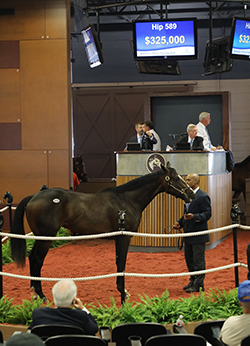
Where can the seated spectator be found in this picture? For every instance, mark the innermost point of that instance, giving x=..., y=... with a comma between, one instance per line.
x=24, y=339
x=69, y=309
x=196, y=142
x=236, y=328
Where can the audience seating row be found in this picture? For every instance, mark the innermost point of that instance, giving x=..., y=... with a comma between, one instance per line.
x=151, y=334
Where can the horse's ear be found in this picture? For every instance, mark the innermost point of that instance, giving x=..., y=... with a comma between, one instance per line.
x=168, y=165
x=163, y=168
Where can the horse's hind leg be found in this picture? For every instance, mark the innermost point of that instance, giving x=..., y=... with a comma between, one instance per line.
x=36, y=258
x=121, y=245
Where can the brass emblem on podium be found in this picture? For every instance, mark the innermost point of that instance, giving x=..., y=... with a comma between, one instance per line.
x=154, y=162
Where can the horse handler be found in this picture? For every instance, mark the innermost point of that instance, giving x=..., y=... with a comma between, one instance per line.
x=195, y=218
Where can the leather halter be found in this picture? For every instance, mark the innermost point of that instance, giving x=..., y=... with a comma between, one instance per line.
x=170, y=184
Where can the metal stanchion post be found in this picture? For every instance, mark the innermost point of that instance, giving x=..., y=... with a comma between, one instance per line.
x=235, y=211
x=121, y=223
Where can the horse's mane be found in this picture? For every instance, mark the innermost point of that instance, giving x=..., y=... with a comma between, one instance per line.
x=135, y=183
x=244, y=162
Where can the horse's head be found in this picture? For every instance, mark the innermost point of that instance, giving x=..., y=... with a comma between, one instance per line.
x=177, y=186
x=79, y=169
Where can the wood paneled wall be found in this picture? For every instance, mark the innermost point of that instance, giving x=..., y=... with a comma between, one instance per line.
x=35, y=93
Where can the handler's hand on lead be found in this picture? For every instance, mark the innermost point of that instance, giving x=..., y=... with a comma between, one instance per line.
x=188, y=216
x=176, y=225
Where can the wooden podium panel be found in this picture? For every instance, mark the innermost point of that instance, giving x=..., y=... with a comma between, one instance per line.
x=165, y=210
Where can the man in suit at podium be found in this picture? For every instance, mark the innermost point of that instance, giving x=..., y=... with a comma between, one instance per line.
x=196, y=142
x=139, y=132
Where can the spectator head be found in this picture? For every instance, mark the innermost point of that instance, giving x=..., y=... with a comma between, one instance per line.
x=64, y=292
x=244, y=291
x=24, y=339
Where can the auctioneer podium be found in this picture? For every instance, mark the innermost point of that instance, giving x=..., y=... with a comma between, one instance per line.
x=165, y=210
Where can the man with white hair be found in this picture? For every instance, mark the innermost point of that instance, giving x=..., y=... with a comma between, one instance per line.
x=204, y=120
x=196, y=142
x=69, y=309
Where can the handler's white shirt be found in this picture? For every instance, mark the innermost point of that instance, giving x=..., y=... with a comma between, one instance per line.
x=157, y=146
x=234, y=329
x=202, y=132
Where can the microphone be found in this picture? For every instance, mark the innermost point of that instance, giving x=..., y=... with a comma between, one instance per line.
x=141, y=132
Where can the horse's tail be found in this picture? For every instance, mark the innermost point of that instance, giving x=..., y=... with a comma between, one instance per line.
x=18, y=246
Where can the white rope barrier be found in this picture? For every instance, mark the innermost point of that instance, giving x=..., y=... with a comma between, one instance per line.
x=5, y=208
x=135, y=234
x=97, y=277
x=116, y=233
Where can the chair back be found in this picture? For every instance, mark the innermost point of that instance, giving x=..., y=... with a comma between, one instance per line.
x=145, y=330
x=176, y=340
x=45, y=331
x=75, y=340
x=210, y=330
x=246, y=341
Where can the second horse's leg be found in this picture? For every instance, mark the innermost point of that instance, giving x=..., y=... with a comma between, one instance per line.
x=121, y=245
x=36, y=258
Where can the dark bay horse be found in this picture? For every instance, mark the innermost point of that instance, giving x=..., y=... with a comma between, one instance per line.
x=240, y=173
x=79, y=169
x=48, y=210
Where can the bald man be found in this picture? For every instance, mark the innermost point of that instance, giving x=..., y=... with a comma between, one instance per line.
x=195, y=218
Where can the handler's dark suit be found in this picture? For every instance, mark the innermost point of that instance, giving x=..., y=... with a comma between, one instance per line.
x=194, y=249
x=197, y=143
x=66, y=316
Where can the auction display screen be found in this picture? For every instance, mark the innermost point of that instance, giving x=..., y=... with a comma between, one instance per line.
x=90, y=47
x=166, y=39
x=241, y=37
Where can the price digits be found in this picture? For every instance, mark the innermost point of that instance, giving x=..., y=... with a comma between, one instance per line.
x=244, y=39
x=163, y=40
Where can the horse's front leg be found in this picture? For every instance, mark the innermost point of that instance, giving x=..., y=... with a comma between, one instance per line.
x=121, y=246
x=36, y=258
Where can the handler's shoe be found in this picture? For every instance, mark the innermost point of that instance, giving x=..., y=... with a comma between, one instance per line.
x=190, y=284
x=195, y=288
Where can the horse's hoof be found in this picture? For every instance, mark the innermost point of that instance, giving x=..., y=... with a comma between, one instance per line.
x=127, y=294
x=36, y=295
